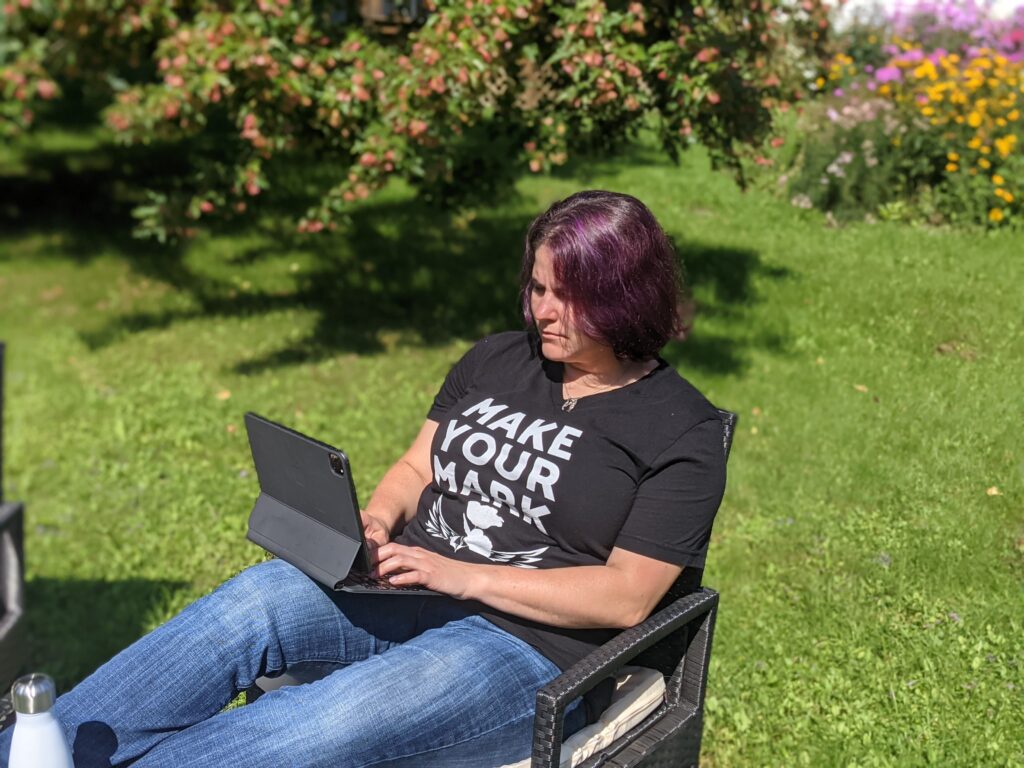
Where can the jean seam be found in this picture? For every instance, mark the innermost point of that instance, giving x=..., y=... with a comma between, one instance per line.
x=475, y=736
x=530, y=713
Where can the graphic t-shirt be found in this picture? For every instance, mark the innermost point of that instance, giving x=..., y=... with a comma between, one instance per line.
x=520, y=482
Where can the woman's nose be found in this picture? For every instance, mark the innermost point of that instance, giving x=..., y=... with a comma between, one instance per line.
x=545, y=309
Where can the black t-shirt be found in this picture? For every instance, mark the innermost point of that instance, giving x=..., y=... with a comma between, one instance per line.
x=520, y=482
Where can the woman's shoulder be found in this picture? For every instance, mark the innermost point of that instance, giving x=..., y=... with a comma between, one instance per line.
x=672, y=405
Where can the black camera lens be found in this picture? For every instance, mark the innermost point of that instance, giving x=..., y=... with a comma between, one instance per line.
x=336, y=464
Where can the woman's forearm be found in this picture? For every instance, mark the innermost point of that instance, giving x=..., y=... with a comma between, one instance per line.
x=395, y=499
x=586, y=596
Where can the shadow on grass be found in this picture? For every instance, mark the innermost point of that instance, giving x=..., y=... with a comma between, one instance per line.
x=399, y=268
x=76, y=625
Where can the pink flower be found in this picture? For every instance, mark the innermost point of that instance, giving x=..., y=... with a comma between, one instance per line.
x=206, y=206
x=888, y=75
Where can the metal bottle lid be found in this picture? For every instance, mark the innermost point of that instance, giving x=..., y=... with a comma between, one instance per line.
x=33, y=694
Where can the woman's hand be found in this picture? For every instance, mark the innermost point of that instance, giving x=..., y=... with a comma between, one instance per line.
x=376, y=533
x=405, y=565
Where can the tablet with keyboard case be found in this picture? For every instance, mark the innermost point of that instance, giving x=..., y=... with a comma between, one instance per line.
x=307, y=512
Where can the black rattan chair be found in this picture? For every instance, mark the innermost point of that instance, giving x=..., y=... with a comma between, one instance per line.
x=675, y=640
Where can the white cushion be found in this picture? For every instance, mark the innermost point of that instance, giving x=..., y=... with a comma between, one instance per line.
x=638, y=692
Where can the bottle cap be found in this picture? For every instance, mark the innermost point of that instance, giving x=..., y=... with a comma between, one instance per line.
x=33, y=694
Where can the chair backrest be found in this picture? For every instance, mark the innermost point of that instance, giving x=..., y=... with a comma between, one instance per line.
x=666, y=654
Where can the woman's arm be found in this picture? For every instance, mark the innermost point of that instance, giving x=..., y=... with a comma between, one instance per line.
x=620, y=593
x=393, y=503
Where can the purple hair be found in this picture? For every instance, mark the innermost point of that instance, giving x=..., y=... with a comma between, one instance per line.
x=616, y=269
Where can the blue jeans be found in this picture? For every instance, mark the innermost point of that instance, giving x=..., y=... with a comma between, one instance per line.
x=422, y=684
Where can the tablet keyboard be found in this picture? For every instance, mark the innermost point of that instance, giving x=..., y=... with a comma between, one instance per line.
x=365, y=581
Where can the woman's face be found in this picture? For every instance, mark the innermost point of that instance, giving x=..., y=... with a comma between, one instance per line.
x=560, y=339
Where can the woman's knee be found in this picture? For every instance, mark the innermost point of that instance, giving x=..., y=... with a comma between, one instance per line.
x=252, y=600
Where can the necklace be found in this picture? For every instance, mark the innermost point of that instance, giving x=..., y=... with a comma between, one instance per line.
x=568, y=403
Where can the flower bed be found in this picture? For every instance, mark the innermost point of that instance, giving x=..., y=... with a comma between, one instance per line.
x=923, y=122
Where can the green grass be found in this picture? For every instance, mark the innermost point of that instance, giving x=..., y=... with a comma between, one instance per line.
x=871, y=588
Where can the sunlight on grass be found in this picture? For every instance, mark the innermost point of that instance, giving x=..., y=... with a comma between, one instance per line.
x=870, y=582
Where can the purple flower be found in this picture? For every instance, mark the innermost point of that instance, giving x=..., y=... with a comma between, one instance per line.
x=888, y=75
x=838, y=93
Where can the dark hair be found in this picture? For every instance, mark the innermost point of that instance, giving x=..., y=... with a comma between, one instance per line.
x=616, y=269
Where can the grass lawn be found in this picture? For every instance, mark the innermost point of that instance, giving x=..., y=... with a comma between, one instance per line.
x=871, y=577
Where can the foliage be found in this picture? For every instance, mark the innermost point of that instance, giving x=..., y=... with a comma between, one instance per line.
x=456, y=107
x=937, y=128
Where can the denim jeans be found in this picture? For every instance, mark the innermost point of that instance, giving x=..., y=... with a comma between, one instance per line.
x=421, y=684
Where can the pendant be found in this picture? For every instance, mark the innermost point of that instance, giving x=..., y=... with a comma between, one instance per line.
x=569, y=404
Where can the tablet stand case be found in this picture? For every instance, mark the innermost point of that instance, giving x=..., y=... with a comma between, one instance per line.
x=299, y=473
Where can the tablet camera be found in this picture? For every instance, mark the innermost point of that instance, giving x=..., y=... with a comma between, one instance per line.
x=336, y=465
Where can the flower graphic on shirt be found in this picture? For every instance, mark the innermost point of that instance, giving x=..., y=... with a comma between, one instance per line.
x=482, y=517
x=477, y=519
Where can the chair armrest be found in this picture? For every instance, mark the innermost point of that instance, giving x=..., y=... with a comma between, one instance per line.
x=686, y=685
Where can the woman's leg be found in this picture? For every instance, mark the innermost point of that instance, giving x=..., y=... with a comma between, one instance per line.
x=263, y=620
x=457, y=696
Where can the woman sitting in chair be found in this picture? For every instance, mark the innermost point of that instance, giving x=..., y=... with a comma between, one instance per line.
x=564, y=477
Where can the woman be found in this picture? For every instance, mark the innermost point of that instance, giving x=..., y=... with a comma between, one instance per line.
x=564, y=477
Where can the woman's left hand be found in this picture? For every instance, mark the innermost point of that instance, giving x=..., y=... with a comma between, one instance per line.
x=404, y=565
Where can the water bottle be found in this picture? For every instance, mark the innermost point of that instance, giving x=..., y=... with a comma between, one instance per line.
x=38, y=740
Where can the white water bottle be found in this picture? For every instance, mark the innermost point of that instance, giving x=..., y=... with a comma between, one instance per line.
x=39, y=740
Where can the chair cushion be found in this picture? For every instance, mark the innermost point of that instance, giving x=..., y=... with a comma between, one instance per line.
x=638, y=692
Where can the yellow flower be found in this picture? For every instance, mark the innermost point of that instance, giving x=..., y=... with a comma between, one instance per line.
x=995, y=215
x=952, y=167
x=983, y=163
x=925, y=70
x=998, y=180
x=1004, y=146
x=953, y=157
x=884, y=89
x=1013, y=115
x=974, y=119
x=927, y=111
x=985, y=149
x=1008, y=196
x=974, y=143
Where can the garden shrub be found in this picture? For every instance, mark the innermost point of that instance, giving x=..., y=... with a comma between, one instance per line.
x=934, y=134
x=456, y=107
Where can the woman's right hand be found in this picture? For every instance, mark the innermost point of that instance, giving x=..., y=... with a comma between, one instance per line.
x=376, y=533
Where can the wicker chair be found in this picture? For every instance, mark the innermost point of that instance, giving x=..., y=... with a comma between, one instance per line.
x=675, y=640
